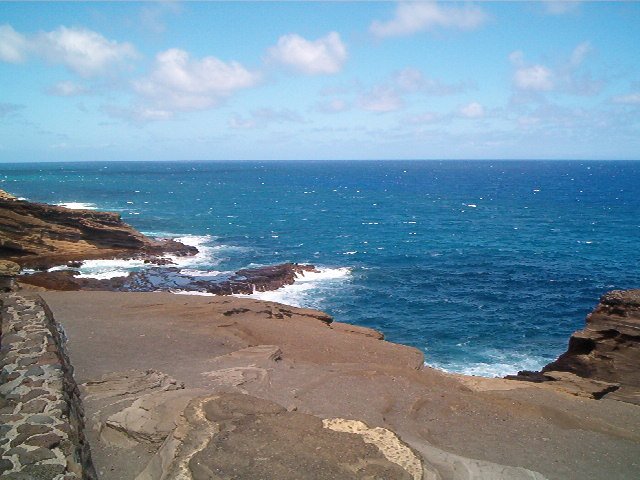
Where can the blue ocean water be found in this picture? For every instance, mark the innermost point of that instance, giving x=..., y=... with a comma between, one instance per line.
x=487, y=266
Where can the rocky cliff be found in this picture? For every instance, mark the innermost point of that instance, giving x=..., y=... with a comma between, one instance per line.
x=153, y=279
x=603, y=358
x=40, y=235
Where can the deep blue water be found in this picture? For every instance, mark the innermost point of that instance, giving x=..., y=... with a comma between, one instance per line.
x=487, y=266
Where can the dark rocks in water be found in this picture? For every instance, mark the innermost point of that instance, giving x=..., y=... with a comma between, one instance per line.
x=261, y=279
x=40, y=236
x=152, y=279
x=603, y=358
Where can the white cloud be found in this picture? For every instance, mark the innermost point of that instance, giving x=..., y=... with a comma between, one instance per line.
x=137, y=114
x=413, y=17
x=239, y=123
x=265, y=116
x=630, y=99
x=535, y=77
x=472, y=110
x=530, y=77
x=424, y=118
x=67, y=89
x=381, y=100
x=324, y=56
x=412, y=80
x=569, y=76
x=335, y=105
x=80, y=50
x=152, y=16
x=517, y=58
x=270, y=115
x=13, y=45
x=83, y=51
x=579, y=54
x=391, y=94
x=181, y=83
x=560, y=7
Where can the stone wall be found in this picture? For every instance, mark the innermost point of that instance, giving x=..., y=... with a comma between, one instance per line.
x=41, y=418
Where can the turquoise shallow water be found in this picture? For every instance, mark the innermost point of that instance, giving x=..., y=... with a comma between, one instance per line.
x=486, y=266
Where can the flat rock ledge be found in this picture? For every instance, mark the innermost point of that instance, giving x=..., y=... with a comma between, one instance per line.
x=41, y=424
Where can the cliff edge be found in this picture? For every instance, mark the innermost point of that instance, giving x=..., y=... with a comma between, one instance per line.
x=603, y=358
x=42, y=236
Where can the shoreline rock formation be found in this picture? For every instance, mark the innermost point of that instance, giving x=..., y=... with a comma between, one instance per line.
x=245, y=281
x=219, y=387
x=200, y=385
x=603, y=359
x=41, y=236
x=38, y=235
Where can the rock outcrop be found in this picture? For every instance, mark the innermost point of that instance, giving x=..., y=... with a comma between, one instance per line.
x=154, y=279
x=41, y=236
x=8, y=272
x=603, y=358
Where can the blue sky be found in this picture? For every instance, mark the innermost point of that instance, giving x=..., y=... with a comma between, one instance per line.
x=319, y=80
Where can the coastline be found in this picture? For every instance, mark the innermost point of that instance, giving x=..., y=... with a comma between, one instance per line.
x=518, y=293
x=149, y=365
x=306, y=363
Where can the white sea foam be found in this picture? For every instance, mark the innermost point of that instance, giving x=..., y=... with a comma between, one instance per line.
x=105, y=275
x=203, y=259
x=106, y=269
x=498, y=365
x=191, y=292
x=198, y=265
x=203, y=273
x=306, y=291
x=78, y=205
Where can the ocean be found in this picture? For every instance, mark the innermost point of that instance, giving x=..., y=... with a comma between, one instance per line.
x=486, y=266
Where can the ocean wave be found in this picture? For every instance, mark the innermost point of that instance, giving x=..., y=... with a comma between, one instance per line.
x=200, y=265
x=105, y=275
x=77, y=205
x=203, y=260
x=307, y=291
x=496, y=365
x=106, y=269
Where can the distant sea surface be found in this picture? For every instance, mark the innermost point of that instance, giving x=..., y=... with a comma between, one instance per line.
x=486, y=266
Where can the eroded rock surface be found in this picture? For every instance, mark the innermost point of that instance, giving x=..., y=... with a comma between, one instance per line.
x=8, y=272
x=493, y=429
x=603, y=359
x=42, y=236
x=241, y=436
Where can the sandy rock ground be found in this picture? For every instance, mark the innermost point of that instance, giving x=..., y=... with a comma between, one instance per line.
x=217, y=387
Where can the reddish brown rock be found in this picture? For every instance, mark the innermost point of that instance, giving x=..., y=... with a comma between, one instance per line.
x=40, y=235
x=603, y=358
x=153, y=279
